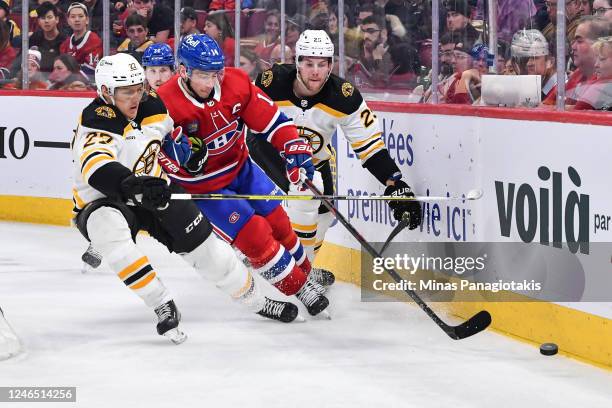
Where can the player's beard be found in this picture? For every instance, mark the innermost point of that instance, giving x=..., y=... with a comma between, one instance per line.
x=306, y=84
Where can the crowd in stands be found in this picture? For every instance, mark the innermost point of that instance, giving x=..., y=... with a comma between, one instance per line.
x=387, y=43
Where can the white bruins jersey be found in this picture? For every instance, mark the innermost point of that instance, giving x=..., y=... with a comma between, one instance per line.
x=338, y=103
x=104, y=135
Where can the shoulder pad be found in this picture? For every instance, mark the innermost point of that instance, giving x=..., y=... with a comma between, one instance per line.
x=276, y=81
x=150, y=106
x=101, y=116
x=343, y=95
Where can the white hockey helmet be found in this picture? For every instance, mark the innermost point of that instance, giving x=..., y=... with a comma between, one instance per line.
x=529, y=43
x=118, y=70
x=314, y=43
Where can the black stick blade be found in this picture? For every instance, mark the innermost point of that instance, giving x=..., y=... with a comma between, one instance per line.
x=470, y=327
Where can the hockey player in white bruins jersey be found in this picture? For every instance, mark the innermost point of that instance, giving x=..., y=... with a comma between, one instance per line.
x=319, y=102
x=120, y=189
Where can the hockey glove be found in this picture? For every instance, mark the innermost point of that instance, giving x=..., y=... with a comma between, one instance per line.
x=298, y=159
x=199, y=156
x=411, y=208
x=179, y=151
x=149, y=192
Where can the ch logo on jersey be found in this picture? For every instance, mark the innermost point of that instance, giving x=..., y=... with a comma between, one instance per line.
x=234, y=217
x=146, y=162
x=313, y=137
x=223, y=139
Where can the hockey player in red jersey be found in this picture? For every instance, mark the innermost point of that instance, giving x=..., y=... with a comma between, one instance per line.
x=214, y=105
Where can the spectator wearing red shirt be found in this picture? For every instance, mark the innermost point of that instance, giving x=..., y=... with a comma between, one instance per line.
x=84, y=45
x=462, y=62
x=218, y=27
x=589, y=29
x=598, y=95
x=271, y=36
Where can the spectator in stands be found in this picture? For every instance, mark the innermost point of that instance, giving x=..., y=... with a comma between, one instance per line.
x=406, y=67
x=374, y=64
x=532, y=55
x=271, y=35
x=458, y=21
x=275, y=55
x=48, y=38
x=5, y=11
x=482, y=59
x=598, y=96
x=503, y=54
x=367, y=9
x=138, y=40
x=67, y=74
x=189, y=21
x=160, y=19
x=83, y=44
x=216, y=5
x=293, y=28
x=512, y=15
x=352, y=35
x=159, y=64
x=589, y=30
x=218, y=27
x=446, y=69
x=603, y=8
x=249, y=63
x=457, y=91
x=572, y=14
x=585, y=6
x=7, y=52
x=36, y=79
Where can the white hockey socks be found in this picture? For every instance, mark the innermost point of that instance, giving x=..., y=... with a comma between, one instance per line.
x=110, y=235
x=215, y=260
x=304, y=216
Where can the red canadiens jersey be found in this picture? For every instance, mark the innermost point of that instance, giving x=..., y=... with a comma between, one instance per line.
x=221, y=122
x=87, y=52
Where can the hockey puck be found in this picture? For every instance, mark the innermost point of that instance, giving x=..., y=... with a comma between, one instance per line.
x=549, y=349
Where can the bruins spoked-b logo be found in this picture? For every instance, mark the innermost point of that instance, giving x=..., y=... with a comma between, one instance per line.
x=266, y=78
x=105, y=112
x=146, y=162
x=314, y=138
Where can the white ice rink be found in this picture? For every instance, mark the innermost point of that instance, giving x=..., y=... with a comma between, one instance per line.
x=89, y=331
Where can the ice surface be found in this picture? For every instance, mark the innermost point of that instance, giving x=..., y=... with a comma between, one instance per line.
x=89, y=331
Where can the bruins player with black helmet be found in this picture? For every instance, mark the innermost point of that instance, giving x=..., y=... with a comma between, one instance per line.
x=319, y=102
x=120, y=189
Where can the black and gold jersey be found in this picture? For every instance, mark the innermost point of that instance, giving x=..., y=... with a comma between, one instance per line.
x=104, y=135
x=338, y=105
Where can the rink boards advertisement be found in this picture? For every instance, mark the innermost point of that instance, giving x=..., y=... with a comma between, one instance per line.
x=544, y=183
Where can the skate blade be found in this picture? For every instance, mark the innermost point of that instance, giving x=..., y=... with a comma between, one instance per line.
x=323, y=315
x=176, y=336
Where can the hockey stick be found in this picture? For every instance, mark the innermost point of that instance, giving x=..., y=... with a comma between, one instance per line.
x=473, y=325
x=470, y=196
x=398, y=228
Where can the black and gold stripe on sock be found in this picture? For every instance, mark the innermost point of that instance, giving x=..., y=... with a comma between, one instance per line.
x=138, y=274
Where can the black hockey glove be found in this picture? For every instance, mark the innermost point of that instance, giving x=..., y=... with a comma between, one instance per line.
x=412, y=208
x=149, y=192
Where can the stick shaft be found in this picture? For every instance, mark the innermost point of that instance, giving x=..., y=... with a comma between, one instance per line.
x=259, y=197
